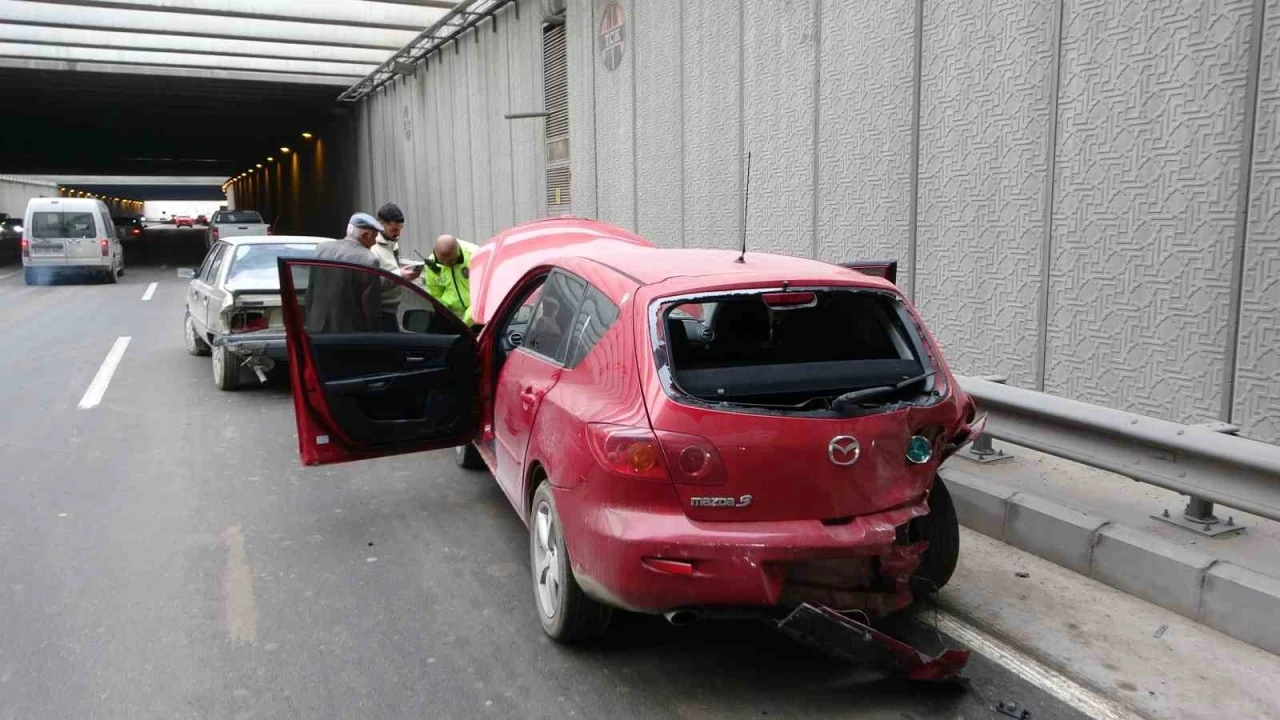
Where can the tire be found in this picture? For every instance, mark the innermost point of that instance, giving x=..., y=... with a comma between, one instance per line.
x=941, y=529
x=566, y=613
x=112, y=278
x=195, y=344
x=226, y=369
x=468, y=457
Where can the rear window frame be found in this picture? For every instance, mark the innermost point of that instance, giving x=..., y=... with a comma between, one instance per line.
x=659, y=307
x=220, y=219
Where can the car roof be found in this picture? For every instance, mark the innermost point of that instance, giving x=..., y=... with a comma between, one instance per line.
x=652, y=266
x=272, y=239
x=62, y=202
x=566, y=240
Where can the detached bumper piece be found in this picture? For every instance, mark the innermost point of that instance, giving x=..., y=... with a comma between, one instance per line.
x=845, y=637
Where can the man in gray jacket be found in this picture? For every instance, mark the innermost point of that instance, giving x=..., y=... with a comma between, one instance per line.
x=346, y=300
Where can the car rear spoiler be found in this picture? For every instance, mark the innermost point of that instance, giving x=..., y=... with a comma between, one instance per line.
x=887, y=269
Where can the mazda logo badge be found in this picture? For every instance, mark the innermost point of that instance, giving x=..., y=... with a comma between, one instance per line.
x=844, y=450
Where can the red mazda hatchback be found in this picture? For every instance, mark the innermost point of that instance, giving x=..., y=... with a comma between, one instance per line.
x=684, y=432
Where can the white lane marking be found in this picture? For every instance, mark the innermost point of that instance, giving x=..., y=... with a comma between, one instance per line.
x=1033, y=671
x=9, y=275
x=240, y=609
x=98, y=387
x=151, y=290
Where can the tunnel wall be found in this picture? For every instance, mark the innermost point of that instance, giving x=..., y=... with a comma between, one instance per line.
x=437, y=142
x=15, y=192
x=1084, y=196
x=296, y=192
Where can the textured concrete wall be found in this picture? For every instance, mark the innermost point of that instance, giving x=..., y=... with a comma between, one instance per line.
x=1257, y=398
x=1066, y=175
x=438, y=144
x=1082, y=194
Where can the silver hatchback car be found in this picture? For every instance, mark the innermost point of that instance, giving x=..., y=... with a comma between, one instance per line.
x=233, y=305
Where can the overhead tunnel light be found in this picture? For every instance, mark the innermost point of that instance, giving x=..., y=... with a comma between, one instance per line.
x=307, y=136
x=257, y=165
x=285, y=150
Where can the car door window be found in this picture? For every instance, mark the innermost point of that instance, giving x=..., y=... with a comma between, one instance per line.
x=210, y=274
x=208, y=261
x=596, y=315
x=411, y=385
x=516, y=326
x=552, y=320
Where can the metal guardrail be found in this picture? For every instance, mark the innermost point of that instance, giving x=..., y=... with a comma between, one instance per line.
x=464, y=16
x=1199, y=461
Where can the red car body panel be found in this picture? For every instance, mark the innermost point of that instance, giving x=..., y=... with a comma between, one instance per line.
x=502, y=261
x=183, y=221
x=812, y=531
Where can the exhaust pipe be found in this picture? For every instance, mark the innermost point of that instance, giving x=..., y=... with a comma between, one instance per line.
x=681, y=618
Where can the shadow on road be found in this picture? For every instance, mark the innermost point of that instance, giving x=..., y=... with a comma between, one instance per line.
x=166, y=247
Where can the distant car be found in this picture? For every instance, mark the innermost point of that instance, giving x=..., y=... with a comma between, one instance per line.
x=684, y=433
x=128, y=228
x=10, y=236
x=184, y=221
x=202, y=220
x=233, y=305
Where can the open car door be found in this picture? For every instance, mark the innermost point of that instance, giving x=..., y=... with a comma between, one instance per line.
x=377, y=366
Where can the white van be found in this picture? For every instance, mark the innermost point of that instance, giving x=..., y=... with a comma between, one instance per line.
x=70, y=234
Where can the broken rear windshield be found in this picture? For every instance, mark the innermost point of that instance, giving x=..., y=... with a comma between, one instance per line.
x=806, y=350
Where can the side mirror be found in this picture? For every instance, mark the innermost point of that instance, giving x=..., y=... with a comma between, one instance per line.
x=417, y=321
x=187, y=273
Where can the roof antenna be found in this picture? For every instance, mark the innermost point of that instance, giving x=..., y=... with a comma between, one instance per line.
x=746, y=204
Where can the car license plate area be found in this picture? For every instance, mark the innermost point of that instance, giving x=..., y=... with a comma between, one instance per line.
x=46, y=249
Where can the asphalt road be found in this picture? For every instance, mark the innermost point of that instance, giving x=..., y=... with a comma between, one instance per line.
x=165, y=555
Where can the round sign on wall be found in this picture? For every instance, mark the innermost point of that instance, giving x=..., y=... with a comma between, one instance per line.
x=613, y=39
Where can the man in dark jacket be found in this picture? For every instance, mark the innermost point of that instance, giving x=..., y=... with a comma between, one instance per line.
x=346, y=300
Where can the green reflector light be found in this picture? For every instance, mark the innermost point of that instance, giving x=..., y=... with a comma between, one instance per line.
x=919, y=449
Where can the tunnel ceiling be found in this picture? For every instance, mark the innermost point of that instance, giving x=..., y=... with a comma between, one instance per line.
x=173, y=87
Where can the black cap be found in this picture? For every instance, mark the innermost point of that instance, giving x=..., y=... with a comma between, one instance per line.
x=390, y=213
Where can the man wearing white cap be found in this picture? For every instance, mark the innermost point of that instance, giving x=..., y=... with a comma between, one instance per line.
x=340, y=300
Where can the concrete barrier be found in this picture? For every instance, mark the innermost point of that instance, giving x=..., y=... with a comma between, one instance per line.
x=1232, y=599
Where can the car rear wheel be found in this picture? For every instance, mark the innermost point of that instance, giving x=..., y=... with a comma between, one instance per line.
x=112, y=278
x=468, y=457
x=941, y=529
x=566, y=613
x=195, y=344
x=226, y=369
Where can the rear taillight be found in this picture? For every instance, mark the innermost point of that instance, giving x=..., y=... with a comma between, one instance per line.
x=691, y=460
x=629, y=451
x=248, y=322
x=637, y=452
x=136, y=231
x=106, y=246
x=214, y=232
x=26, y=248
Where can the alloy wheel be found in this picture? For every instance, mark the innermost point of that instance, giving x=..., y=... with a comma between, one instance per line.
x=547, y=560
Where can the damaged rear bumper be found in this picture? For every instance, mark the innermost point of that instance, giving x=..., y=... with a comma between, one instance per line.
x=262, y=344
x=653, y=561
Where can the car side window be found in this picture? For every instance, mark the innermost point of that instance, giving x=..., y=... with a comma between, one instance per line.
x=595, y=317
x=208, y=260
x=211, y=270
x=552, y=321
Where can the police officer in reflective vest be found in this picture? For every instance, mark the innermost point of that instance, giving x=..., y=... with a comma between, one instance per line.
x=448, y=275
